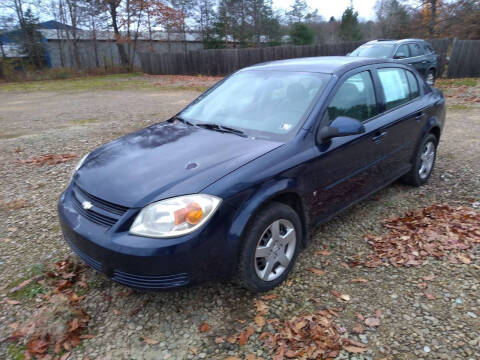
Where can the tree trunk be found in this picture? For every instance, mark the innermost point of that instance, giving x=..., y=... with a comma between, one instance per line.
x=433, y=20
x=121, y=49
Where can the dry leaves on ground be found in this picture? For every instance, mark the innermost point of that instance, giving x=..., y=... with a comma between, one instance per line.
x=434, y=231
x=306, y=337
x=14, y=204
x=50, y=159
x=60, y=320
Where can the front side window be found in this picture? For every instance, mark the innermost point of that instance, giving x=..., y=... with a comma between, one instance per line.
x=395, y=86
x=373, y=51
x=266, y=104
x=415, y=49
x=355, y=98
x=402, y=52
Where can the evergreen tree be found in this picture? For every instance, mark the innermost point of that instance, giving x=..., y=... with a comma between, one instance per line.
x=301, y=34
x=349, y=27
x=32, y=39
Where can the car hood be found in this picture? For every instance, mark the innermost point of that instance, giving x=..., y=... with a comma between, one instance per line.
x=165, y=160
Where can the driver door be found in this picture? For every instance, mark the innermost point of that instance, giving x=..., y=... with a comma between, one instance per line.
x=345, y=169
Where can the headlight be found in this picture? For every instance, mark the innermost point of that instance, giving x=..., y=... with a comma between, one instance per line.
x=79, y=165
x=176, y=216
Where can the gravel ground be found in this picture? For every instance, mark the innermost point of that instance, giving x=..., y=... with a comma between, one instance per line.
x=411, y=325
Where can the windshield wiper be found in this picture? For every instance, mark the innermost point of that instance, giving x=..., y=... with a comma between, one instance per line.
x=222, y=128
x=182, y=120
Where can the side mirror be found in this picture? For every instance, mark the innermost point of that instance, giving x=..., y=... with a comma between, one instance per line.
x=348, y=54
x=341, y=126
x=399, y=56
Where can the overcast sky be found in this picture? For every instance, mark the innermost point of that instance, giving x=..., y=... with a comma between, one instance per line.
x=334, y=8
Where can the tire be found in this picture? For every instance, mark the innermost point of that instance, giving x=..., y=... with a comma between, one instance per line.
x=259, y=273
x=430, y=77
x=424, y=162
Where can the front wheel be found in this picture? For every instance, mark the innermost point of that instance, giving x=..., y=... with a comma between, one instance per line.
x=269, y=248
x=424, y=162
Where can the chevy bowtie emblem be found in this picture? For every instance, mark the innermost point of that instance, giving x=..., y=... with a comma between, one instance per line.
x=87, y=205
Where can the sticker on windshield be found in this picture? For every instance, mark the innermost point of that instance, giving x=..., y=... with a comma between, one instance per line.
x=285, y=126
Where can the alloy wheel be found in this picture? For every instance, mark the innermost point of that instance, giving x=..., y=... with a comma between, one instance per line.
x=430, y=78
x=427, y=158
x=275, y=250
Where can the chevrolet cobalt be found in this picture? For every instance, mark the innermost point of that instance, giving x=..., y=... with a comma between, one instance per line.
x=232, y=185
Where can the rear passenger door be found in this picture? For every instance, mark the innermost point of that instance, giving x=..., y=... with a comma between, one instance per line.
x=401, y=119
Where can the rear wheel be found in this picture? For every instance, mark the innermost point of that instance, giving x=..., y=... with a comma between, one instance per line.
x=424, y=162
x=430, y=77
x=269, y=248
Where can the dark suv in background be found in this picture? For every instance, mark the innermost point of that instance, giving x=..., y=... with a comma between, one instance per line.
x=415, y=52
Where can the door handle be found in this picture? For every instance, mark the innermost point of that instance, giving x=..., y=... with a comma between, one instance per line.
x=419, y=116
x=378, y=136
x=424, y=61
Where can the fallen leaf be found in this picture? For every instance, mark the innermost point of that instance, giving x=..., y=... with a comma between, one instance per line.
x=464, y=259
x=322, y=252
x=65, y=356
x=204, y=327
x=232, y=358
x=372, y=322
x=12, y=302
x=270, y=297
x=244, y=336
x=315, y=271
x=220, y=340
x=429, y=296
x=150, y=341
x=429, y=277
x=359, y=280
x=354, y=349
x=232, y=339
x=262, y=308
x=345, y=297
x=194, y=350
x=260, y=321
x=358, y=329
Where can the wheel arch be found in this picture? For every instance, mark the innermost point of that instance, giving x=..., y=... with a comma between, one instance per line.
x=283, y=192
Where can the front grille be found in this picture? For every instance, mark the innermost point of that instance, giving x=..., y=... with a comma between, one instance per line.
x=102, y=204
x=102, y=212
x=86, y=258
x=150, y=282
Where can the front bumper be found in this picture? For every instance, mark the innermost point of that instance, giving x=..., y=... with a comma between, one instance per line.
x=148, y=263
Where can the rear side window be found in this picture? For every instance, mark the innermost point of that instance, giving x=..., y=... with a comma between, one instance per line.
x=428, y=48
x=395, y=86
x=402, y=52
x=355, y=98
x=415, y=49
x=413, y=83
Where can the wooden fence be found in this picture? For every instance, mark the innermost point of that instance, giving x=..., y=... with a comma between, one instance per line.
x=441, y=48
x=465, y=59
x=226, y=61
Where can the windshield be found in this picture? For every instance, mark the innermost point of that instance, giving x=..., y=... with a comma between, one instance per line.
x=266, y=104
x=373, y=51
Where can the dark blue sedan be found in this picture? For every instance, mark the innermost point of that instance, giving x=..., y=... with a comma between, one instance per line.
x=232, y=185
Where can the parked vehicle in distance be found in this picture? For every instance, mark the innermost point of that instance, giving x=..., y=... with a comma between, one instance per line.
x=233, y=184
x=415, y=52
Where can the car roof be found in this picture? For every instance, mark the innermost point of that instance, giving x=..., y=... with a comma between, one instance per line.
x=391, y=41
x=321, y=64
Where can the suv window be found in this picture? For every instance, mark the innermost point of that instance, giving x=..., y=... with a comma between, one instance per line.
x=415, y=49
x=402, y=51
x=355, y=98
x=395, y=86
x=428, y=48
x=412, y=81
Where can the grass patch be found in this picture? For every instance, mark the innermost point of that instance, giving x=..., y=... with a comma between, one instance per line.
x=470, y=82
x=31, y=290
x=16, y=352
x=459, y=107
x=130, y=81
x=85, y=121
